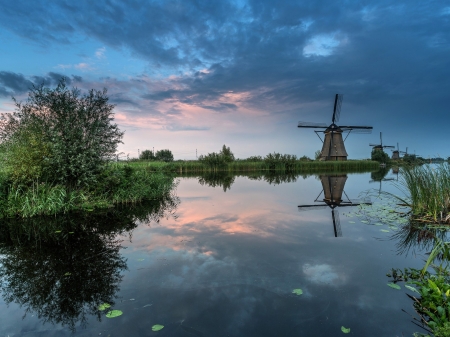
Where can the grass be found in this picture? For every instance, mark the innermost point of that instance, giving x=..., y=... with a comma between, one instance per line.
x=426, y=190
x=193, y=166
x=116, y=186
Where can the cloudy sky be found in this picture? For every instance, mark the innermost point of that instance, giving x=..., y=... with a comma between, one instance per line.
x=197, y=74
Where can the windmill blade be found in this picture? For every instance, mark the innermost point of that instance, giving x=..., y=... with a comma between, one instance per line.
x=389, y=147
x=381, y=139
x=353, y=127
x=337, y=107
x=336, y=223
x=374, y=145
x=312, y=125
x=303, y=208
x=357, y=131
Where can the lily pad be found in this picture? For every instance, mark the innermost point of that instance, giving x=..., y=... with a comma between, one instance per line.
x=364, y=221
x=394, y=286
x=114, y=313
x=140, y=259
x=104, y=306
x=351, y=222
x=297, y=291
x=384, y=230
x=67, y=274
x=344, y=329
x=57, y=231
x=157, y=327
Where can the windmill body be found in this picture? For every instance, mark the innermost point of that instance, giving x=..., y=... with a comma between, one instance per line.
x=333, y=143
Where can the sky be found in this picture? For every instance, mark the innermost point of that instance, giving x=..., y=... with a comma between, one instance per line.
x=192, y=75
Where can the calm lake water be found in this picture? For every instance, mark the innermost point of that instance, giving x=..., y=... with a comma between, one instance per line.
x=217, y=263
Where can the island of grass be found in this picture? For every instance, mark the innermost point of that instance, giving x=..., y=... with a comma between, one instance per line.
x=55, y=154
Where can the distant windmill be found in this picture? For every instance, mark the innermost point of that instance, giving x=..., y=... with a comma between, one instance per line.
x=395, y=153
x=333, y=145
x=381, y=146
x=404, y=152
x=332, y=189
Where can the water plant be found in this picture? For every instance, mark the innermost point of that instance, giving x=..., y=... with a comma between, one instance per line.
x=426, y=190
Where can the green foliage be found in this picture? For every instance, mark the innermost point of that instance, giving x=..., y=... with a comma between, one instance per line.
x=286, y=161
x=317, y=154
x=254, y=158
x=305, y=158
x=433, y=305
x=70, y=137
x=226, y=153
x=164, y=155
x=427, y=191
x=147, y=155
x=380, y=156
x=213, y=160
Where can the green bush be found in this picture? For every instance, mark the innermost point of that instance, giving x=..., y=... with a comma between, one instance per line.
x=164, y=155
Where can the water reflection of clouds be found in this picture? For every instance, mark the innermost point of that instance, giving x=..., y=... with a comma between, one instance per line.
x=323, y=274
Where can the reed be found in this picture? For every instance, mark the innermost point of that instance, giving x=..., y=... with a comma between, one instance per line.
x=182, y=167
x=426, y=190
x=117, y=186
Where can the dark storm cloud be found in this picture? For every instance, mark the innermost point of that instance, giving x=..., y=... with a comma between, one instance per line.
x=381, y=53
x=19, y=84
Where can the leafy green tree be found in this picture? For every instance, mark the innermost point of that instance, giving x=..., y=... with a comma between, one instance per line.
x=380, y=156
x=226, y=154
x=75, y=132
x=147, y=155
x=164, y=155
x=317, y=154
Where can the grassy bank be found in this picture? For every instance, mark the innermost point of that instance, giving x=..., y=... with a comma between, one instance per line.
x=426, y=189
x=181, y=167
x=117, y=185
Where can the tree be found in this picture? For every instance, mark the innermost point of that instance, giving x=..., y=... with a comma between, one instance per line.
x=317, y=154
x=75, y=132
x=380, y=156
x=227, y=154
x=147, y=155
x=164, y=155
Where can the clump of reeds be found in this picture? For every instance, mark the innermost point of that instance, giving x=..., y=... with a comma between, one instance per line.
x=427, y=191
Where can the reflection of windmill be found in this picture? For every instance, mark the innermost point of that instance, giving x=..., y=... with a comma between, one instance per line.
x=381, y=146
x=381, y=180
x=333, y=145
x=395, y=153
x=332, y=189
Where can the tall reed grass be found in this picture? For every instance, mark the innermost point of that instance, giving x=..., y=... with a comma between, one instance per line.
x=426, y=190
x=181, y=167
x=116, y=186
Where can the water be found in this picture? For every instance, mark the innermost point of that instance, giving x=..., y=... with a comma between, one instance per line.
x=210, y=263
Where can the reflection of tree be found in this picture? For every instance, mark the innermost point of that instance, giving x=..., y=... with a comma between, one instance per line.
x=380, y=174
x=63, y=268
x=214, y=179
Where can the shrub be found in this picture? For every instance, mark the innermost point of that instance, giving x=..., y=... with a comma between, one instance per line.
x=164, y=155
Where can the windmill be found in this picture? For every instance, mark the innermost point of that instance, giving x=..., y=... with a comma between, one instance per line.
x=395, y=154
x=333, y=145
x=332, y=189
x=404, y=152
x=381, y=146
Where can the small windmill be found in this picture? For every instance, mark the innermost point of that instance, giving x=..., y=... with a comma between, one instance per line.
x=332, y=189
x=381, y=146
x=395, y=154
x=333, y=144
x=404, y=152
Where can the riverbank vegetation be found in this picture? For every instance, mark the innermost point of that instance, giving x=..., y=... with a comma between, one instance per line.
x=56, y=151
x=426, y=190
